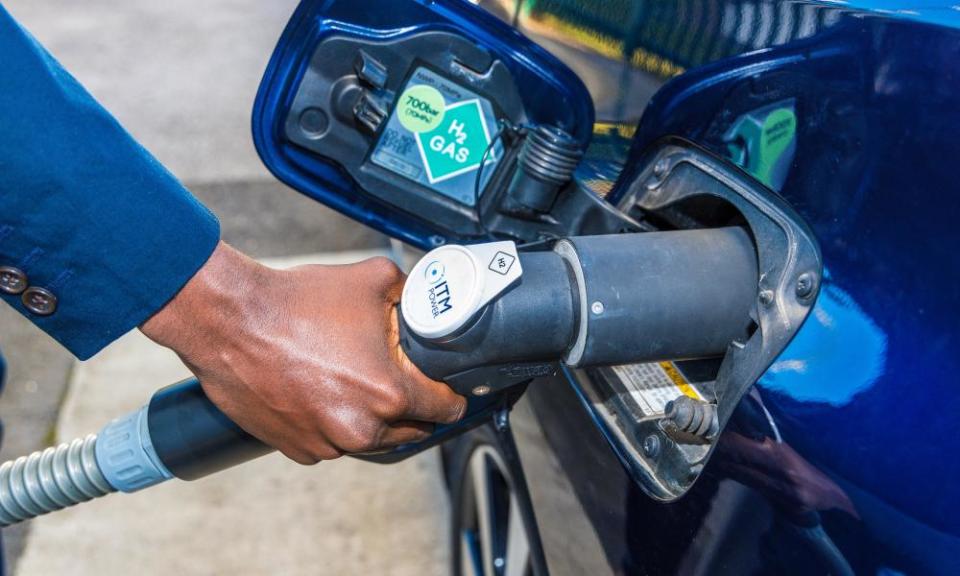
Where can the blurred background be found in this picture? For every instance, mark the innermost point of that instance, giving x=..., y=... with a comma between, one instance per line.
x=181, y=76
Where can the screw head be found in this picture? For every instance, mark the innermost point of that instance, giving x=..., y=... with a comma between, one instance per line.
x=766, y=297
x=651, y=446
x=482, y=390
x=597, y=308
x=660, y=170
x=661, y=167
x=805, y=285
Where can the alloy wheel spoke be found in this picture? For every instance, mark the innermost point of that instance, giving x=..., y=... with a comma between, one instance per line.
x=518, y=545
x=482, y=491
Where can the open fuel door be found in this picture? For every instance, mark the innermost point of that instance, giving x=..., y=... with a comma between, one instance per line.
x=405, y=116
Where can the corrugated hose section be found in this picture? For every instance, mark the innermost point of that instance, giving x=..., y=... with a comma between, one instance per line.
x=50, y=480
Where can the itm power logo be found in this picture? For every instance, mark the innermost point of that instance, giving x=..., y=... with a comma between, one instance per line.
x=439, y=291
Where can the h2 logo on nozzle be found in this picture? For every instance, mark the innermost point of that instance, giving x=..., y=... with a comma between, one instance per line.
x=439, y=292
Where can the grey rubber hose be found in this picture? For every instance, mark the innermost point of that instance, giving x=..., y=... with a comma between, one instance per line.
x=50, y=480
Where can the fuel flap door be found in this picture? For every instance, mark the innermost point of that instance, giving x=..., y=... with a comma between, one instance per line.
x=410, y=117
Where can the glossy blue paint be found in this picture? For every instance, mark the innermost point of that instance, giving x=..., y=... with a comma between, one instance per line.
x=940, y=13
x=818, y=366
x=551, y=93
x=862, y=402
x=867, y=392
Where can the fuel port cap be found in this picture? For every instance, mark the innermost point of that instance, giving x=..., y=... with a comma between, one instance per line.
x=450, y=285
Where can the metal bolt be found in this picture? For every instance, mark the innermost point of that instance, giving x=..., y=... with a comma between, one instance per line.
x=437, y=240
x=805, y=285
x=766, y=297
x=661, y=167
x=659, y=171
x=597, y=308
x=481, y=390
x=651, y=446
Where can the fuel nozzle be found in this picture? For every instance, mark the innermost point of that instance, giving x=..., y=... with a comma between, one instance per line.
x=480, y=318
x=486, y=316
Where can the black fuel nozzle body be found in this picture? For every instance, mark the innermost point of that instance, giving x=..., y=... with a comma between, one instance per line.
x=601, y=300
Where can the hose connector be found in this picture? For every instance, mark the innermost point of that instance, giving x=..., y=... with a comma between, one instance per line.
x=126, y=454
x=120, y=458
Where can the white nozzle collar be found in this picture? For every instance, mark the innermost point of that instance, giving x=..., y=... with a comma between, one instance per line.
x=451, y=284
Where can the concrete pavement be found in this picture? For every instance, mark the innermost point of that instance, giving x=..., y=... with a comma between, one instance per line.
x=180, y=75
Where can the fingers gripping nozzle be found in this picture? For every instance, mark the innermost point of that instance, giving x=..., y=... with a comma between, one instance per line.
x=591, y=301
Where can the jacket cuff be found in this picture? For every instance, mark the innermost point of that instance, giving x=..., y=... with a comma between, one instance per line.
x=103, y=293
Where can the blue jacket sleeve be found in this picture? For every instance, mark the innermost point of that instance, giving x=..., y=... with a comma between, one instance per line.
x=86, y=214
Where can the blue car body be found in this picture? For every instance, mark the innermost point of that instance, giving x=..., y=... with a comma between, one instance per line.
x=842, y=457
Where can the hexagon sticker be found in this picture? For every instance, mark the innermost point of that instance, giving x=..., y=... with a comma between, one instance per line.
x=457, y=145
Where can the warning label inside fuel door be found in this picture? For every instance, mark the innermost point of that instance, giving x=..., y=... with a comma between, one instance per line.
x=654, y=384
x=438, y=135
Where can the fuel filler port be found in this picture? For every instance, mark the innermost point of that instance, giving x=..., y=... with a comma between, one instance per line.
x=664, y=330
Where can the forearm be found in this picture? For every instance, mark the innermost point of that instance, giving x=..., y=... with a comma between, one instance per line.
x=85, y=212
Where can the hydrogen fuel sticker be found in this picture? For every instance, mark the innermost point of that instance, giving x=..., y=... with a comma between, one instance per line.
x=652, y=385
x=438, y=135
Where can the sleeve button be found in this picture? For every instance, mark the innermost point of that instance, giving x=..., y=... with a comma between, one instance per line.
x=39, y=301
x=12, y=280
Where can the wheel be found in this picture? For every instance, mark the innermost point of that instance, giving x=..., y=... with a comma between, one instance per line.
x=490, y=532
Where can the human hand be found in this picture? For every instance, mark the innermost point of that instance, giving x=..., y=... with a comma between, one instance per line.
x=308, y=360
